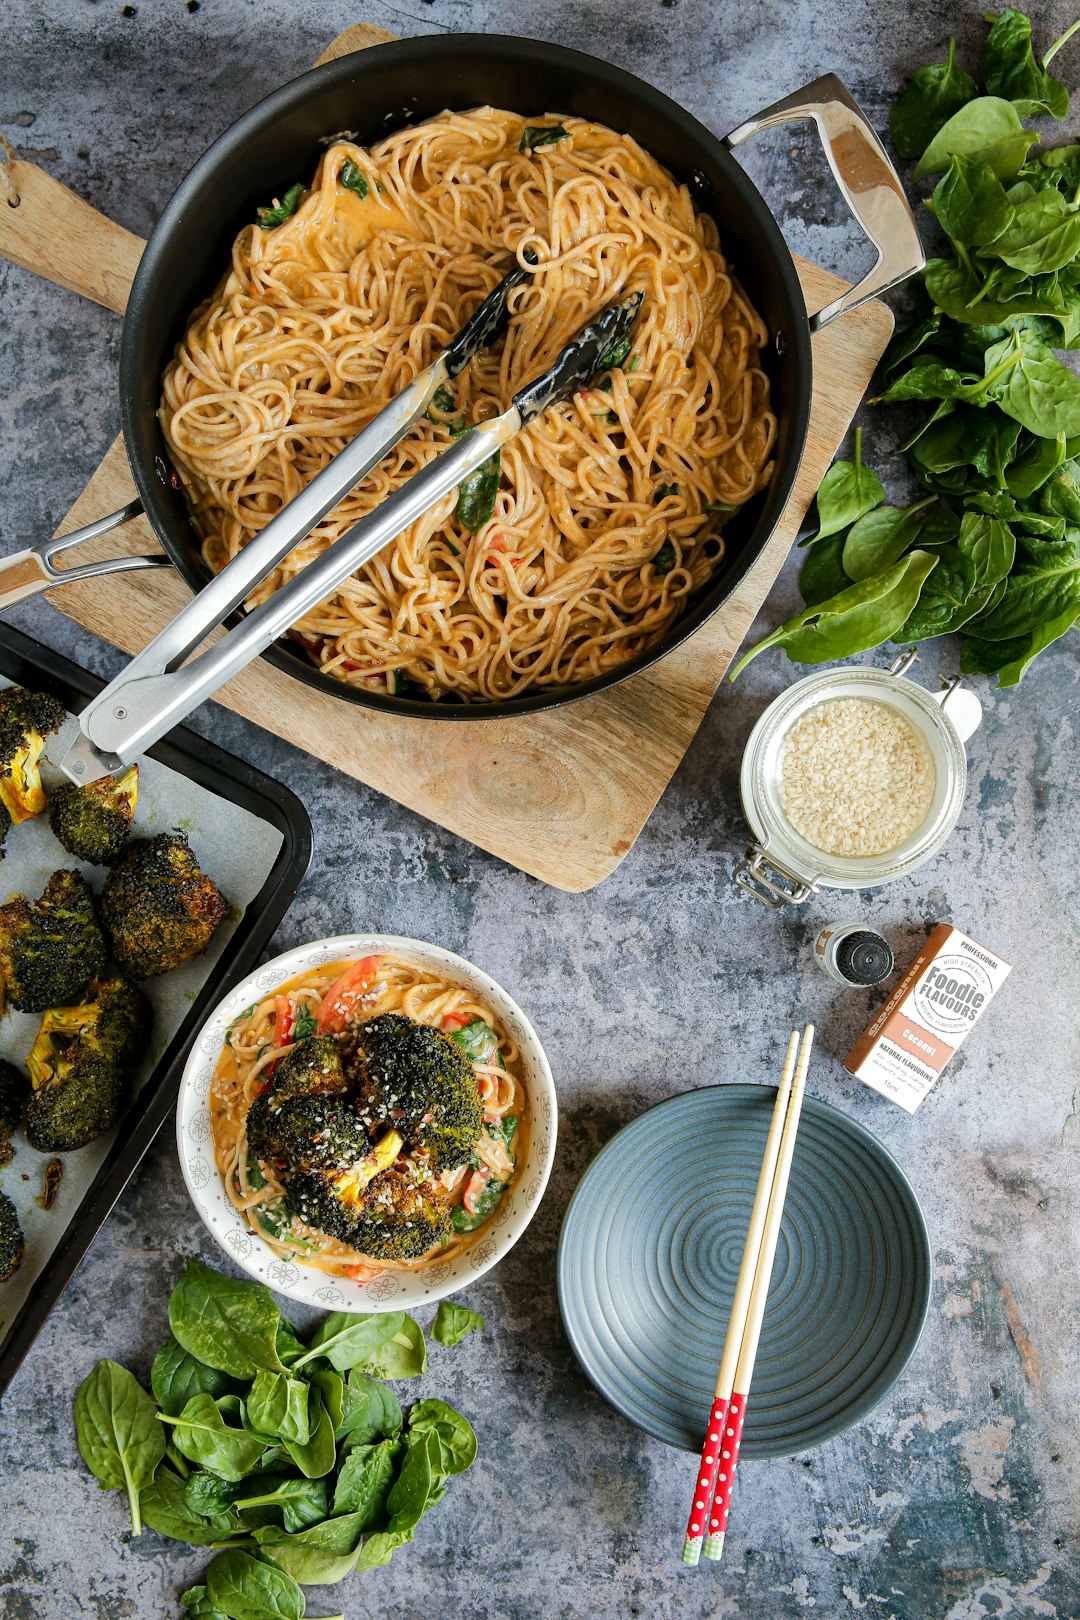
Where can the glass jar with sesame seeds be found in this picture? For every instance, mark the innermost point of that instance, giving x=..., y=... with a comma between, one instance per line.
x=851, y=778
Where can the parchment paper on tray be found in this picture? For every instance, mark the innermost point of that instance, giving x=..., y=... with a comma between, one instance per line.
x=237, y=849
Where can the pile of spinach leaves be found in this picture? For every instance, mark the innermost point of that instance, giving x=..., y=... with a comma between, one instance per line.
x=291, y=1457
x=994, y=548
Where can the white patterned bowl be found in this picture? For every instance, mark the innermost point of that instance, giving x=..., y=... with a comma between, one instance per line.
x=391, y=1291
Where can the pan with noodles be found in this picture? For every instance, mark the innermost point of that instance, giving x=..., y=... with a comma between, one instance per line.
x=578, y=548
x=367, y=1120
x=331, y=239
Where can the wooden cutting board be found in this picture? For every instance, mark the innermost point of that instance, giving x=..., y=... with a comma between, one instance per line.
x=561, y=795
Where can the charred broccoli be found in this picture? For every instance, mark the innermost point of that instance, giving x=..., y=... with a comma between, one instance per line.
x=303, y=1119
x=394, y=1215
x=14, y=1086
x=158, y=906
x=26, y=719
x=418, y=1079
x=51, y=948
x=12, y=1242
x=81, y=1064
x=94, y=822
x=5, y=828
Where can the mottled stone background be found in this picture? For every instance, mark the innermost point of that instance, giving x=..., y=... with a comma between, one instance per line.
x=958, y=1497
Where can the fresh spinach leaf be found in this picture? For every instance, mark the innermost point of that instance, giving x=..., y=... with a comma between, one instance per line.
x=948, y=598
x=822, y=573
x=929, y=100
x=454, y=1449
x=278, y=1405
x=1034, y=466
x=176, y=1376
x=452, y=1324
x=316, y=1456
x=225, y=1323
x=347, y=1340
x=199, y=1606
x=1060, y=494
x=1042, y=235
x=204, y=1435
x=245, y=1589
x=403, y=1356
x=318, y=1556
x=970, y=202
x=364, y=1480
x=370, y=1410
x=1030, y=384
x=989, y=545
x=856, y=619
x=380, y=1548
x=848, y=491
x=477, y=1040
x=878, y=539
x=1036, y=594
x=477, y=492
x=353, y=178
x=1011, y=659
x=277, y=212
x=534, y=135
x=331, y=1386
x=120, y=1438
x=302, y=1502
x=1012, y=72
x=988, y=128
x=165, y=1508
x=287, y=1345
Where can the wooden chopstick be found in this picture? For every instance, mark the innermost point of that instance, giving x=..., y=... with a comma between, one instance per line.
x=744, y=1372
x=705, y=1484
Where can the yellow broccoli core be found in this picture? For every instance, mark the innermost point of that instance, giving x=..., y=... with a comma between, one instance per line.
x=59, y=1027
x=350, y=1183
x=20, y=789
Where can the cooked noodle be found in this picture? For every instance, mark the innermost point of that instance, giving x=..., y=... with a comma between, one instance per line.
x=251, y=1051
x=610, y=508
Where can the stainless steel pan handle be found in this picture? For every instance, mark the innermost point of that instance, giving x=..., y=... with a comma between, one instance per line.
x=25, y=573
x=869, y=184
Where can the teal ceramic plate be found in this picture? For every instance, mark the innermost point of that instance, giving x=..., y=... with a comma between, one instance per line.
x=650, y=1250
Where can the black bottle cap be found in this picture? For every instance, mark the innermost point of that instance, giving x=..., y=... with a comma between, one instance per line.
x=864, y=957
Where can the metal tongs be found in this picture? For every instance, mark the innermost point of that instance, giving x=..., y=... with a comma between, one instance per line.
x=153, y=693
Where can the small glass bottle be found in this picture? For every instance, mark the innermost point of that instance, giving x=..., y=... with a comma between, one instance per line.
x=853, y=954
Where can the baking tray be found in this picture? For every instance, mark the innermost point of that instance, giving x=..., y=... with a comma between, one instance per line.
x=254, y=837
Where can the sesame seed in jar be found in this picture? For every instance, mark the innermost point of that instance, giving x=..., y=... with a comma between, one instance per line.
x=856, y=777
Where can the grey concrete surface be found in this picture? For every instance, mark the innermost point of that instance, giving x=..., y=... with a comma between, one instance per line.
x=957, y=1498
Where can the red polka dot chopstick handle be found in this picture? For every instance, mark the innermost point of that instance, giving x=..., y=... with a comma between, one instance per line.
x=744, y=1372
x=732, y=1438
x=709, y=1469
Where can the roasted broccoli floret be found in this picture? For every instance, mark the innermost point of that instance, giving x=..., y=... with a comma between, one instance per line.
x=158, y=906
x=51, y=948
x=14, y=1085
x=312, y=1068
x=416, y=1078
x=94, y=822
x=5, y=828
x=12, y=1242
x=26, y=720
x=391, y=1216
x=81, y=1065
x=302, y=1117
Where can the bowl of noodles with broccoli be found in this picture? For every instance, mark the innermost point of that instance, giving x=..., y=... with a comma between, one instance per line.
x=367, y=1123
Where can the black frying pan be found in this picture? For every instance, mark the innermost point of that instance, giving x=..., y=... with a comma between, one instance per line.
x=383, y=88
